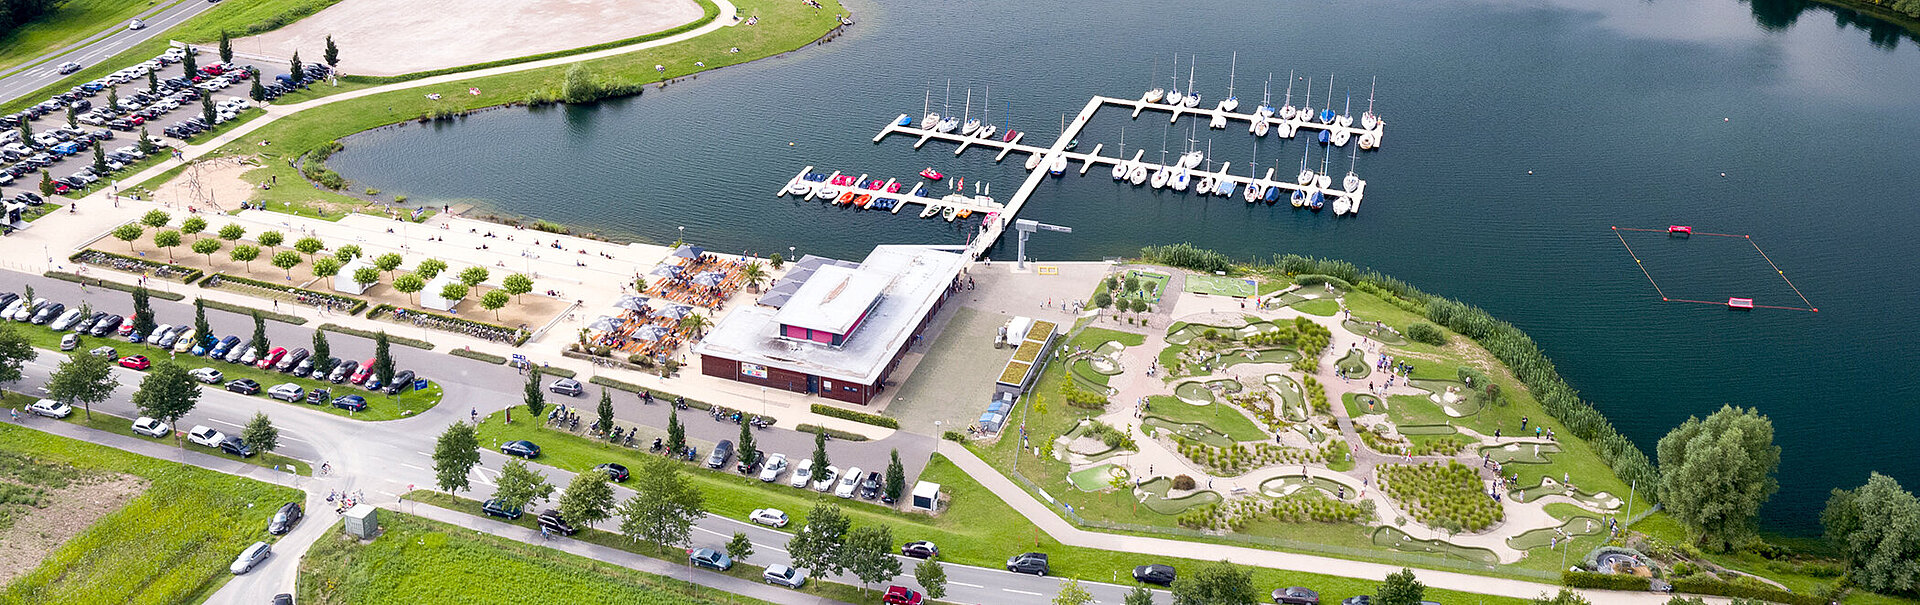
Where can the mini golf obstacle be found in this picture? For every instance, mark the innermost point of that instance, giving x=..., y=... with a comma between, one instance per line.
x=1732, y=302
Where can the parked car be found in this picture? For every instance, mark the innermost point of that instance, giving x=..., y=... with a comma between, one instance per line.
x=802, y=473
x=319, y=396
x=226, y=345
x=206, y=436
x=1155, y=573
x=782, y=575
x=750, y=462
x=126, y=327
x=353, y=403
x=272, y=357
x=248, y=355
x=361, y=375
x=823, y=480
x=240, y=354
x=291, y=359
x=303, y=369
x=187, y=337
x=710, y=558
x=775, y=465
x=50, y=408
x=233, y=445
x=166, y=336
x=65, y=321
x=343, y=371
x=1296, y=595
x=135, y=362
x=47, y=314
x=870, y=487
x=402, y=381
x=1032, y=562
x=150, y=427
x=250, y=558
x=848, y=483
x=288, y=392
x=499, y=508
x=722, y=452
x=901, y=595
x=69, y=342
x=568, y=387
x=244, y=386
x=1357, y=600
x=615, y=472
x=283, y=521
x=521, y=448
x=920, y=549
x=207, y=375
x=553, y=522
x=105, y=351
x=770, y=517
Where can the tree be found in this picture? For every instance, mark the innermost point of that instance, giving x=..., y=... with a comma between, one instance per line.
x=869, y=554
x=327, y=267
x=258, y=91
x=454, y=454
x=321, y=350
x=193, y=225
x=473, y=276
x=153, y=83
x=453, y=292
x=588, y=499
x=410, y=283
x=535, y=398
x=99, y=159
x=777, y=261
x=695, y=323
x=73, y=117
x=519, y=485
x=1102, y=299
x=1400, y=589
x=1566, y=597
x=84, y=378
x=166, y=240
x=207, y=111
x=494, y=300
x=517, y=284
x=245, y=253
x=309, y=245
x=286, y=260
x=347, y=253
x=744, y=443
x=817, y=545
x=332, y=54
x=15, y=351
x=113, y=98
x=260, y=434
x=190, y=64
x=167, y=392
x=664, y=505
x=26, y=130
x=259, y=342
x=933, y=577
x=226, y=48
x=387, y=262
x=232, y=232
x=1218, y=583
x=201, y=328
x=754, y=274
x=127, y=233
x=604, y=411
x=1715, y=474
x=428, y=269
x=272, y=239
x=676, y=434
x=46, y=184
x=142, y=311
x=366, y=276
x=739, y=548
x=1139, y=596
x=382, y=358
x=295, y=69
x=206, y=247
x=896, y=478
x=1877, y=527
x=147, y=144
x=1071, y=593
x=820, y=461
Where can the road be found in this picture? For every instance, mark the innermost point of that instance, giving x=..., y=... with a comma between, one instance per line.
x=44, y=70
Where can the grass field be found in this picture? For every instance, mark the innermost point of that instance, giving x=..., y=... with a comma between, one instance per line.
x=171, y=544
x=124, y=426
x=418, y=560
x=70, y=22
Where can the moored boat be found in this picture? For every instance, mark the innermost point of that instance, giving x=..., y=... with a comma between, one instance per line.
x=930, y=210
x=1161, y=176
x=932, y=174
x=1137, y=174
x=1341, y=205
x=949, y=213
x=1059, y=164
x=863, y=200
x=1299, y=198
x=845, y=198
x=1179, y=179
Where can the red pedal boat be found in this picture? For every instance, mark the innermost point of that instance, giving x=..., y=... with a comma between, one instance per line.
x=932, y=174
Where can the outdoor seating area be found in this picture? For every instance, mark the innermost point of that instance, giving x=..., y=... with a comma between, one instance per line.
x=698, y=278
x=644, y=327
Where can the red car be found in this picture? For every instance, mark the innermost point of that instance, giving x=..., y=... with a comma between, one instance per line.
x=361, y=375
x=271, y=358
x=901, y=595
x=135, y=362
x=137, y=120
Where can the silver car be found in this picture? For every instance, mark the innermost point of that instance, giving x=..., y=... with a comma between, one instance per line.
x=781, y=575
x=251, y=557
x=286, y=392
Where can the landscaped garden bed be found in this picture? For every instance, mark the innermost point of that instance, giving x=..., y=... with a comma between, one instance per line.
x=1448, y=495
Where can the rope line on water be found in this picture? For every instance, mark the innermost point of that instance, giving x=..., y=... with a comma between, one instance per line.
x=1641, y=264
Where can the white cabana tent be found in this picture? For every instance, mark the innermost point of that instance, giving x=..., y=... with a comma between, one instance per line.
x=343, y=281
x=430, y=296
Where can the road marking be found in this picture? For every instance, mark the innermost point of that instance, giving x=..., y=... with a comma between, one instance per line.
x=390, y=494
x=966, y=584
x=223, y=422
x=1024, y=592
x=309, y=462
x=291, y=438
x=412, y=466
x=423, y=453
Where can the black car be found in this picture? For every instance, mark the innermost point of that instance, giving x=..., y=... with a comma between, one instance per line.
x=521, y=448
x=343, y=371
x=750, y=462
x=319, y=396
x=870, y=487
x=615, y=472
x=402, y=381
x=47, y=313
x=86, y=325
x=353, y=403
x=294, y=358
x=1357, y=600
x=244, y=386
x=284, y=520
x=285, y=598
x=233, y=445
x=1296, y=595
x=102, y=327
x=1154, y=574
x=500, y=509
x=1033, y=562
x=303, y=369
x=920, y=549
x=552, y=522
x=722, y=452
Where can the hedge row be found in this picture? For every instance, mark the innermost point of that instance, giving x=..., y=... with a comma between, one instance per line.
x=111, y=285
x=476, y=355
x=399, y=340
x=352, y=305
x=834, y=433
x=1604, y=581
x=863, y=417
x=233, y=308
x=1508, y=344
x=1714, y=586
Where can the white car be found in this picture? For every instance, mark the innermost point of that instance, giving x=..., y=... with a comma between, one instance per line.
x=823, y=480
x=781, y=575
x=50, y=408
x=206, y=436
x=150, y=427
x=239, y=102
x=849, y=483
x=802, y=473
x=776, y=464
x=289, y=392
x=207, y=375
x=136, y=24
x=770, y=517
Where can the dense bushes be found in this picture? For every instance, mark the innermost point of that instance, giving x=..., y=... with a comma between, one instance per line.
x=1441, y=495
x=314, y=167
x=1750, y=589
x=1082, y=398
x=862, y=417
x=1186, y=256
x=1428, y=333
x=1183, y=482
x=15, y=13
x=1604, y=581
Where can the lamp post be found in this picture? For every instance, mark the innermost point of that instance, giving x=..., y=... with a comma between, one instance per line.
x=938, y=436
x=763, y=401
x=683, y=234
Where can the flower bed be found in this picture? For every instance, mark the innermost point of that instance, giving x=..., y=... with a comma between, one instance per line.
x=131, y=264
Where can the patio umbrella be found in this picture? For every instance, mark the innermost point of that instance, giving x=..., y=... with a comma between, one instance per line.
x=602, y=324
x=632, y=303
x=676, y=311
x=689, y=252
x=650, y=332
x=667, y=270
x=709, y=278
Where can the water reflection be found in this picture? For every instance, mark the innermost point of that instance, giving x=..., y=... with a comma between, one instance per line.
x=1779, y=15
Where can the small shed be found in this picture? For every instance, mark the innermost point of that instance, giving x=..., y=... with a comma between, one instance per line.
x=343, y=282
x=363, y=521
x=430, y=295
x=926, y=495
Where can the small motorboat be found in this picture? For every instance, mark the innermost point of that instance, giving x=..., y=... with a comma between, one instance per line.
x=949, y=213
x=931, y=209
x=1154, y=96
x=964, y=213
x=845, y=198
x=800, y=188
x=1059, y=164
x=1341, y=205
x=1033, y=161
x=931, y=174
x=1179, y=180
x=816, y=177
x=863, y=200
x=1340, y=137
x=1161, y=176
x=875, y=185
x=903, y=121
x=1223, y=187
x=1138, y=174
x=826, y=193
x=1299, y=198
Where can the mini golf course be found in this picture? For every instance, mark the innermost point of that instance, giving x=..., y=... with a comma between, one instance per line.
x=1549, y=487
x=1291, y=401
x=1288, y=484
x=1577, y=526
x=1398, y=540
x=1354, y=364
x=1361, y=328
x=1190, y=431
x=1261, y=356
x=1156, y=498
x=1324, y=307
x=1522, y=453
x=1202, y=393
x=1096, y=478
x=1220, y=286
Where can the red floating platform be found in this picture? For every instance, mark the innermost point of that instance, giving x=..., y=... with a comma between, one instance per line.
x=1740, y=303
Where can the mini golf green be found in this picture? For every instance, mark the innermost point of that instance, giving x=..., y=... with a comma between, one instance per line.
x=1220, y=286
x=1400, y=541
x=1581, y=525
x=1522, y=453
x=1354, y=363
x=1601, y=500
x=1291, y=401
x=1109, y=348
x=1367, y=329
x=1468, y=403
x=1287, y=484
x=1426, y=429
x=1200, y=393
x=1262, y=356
x=1324, y=307
x=1367, y=404
x=1095, y=478
x=1190, y=431
x=1156, y=499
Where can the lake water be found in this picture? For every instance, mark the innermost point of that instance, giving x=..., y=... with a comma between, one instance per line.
x=1627, y=113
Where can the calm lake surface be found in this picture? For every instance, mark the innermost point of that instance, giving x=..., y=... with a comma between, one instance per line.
x=1626, y=112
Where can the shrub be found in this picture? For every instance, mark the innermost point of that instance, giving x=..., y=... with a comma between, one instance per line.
x=1186, y=256
x=862, y=417
x=1183, y=482
x=1749, y=590
x=1427, y=333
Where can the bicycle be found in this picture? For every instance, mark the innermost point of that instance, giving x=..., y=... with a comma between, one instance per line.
x=326, y=469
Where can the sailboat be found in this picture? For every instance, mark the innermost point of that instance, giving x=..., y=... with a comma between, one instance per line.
x=1181, y=168
x=1286, y=109
x=1223, y=186
x=1322, y=180
x=932, y=119
x=1346, y=115
x=1059, y=164
x=1299, y=198
x=1253, y=185
x=1206, y=182
x=1265, y=111
x=1352, y=183
x=948, y=123
x=1173, y=95
x=1327, y=115
x=1231, y=102
x=986, y=125
x=1306, y=109
x=1033, y=161
x=1120, y=168
x=1368, y=120
x=1154, y=95
x=1306, y=176
x=972, y=123
x=1316, y=201
x=1137, y=174
x=1160, y=175
x=1193, y=98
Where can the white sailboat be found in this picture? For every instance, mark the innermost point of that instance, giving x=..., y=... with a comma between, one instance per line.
x=1219, y=121
x=1345, y=119
x=1327, y=115
x=1174, y=97
x=1137, y=174
x=1120, y=168
x=1306, y=109
x=1341, y=205
x=972, y=124
x=1322, y=180
x=1346, y=115
x=1059, y=164
x=1223, y=186
x=1306, y=176
x=1254, y=189
x=1352, y=183
x=1231, y=102
x=1368, y=120
x=1179, y=179
x=1161, y=174
x=1193, y=98
x=1205, y=186
x=932, y=119
x=1154, y=95
x=986, y=125
x=949, y=123
x=1286, y=109
x=1264, y=112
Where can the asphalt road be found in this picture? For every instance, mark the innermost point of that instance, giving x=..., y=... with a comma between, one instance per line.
x=44, y=69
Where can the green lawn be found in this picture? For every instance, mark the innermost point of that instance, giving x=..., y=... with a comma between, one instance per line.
x=70, y=22
x=980, y=529
x=123, y=426
x=379, y=406
x=418, y=560
x=1220, y=416
x=171, y=544
x=1324, y=307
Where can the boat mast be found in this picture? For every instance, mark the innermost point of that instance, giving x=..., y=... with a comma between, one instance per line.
x=984, y=104
x=1370, y=88
x=969, y=106
x=1232, y=65
x=946, y=106
x=1266, y=92
x=1164, y=129
x=1289, y=88
x=1189, y=75
x=1176, y=72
